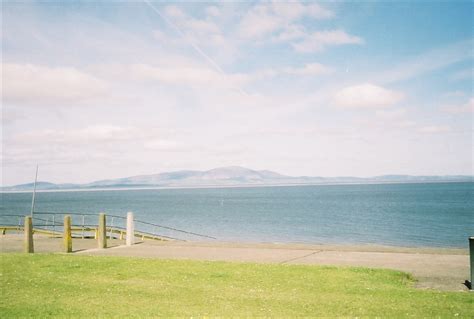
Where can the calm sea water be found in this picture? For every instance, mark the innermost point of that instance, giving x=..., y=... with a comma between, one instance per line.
x=437, y=215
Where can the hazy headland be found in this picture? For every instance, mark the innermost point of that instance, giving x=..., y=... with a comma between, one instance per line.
x=231, y=176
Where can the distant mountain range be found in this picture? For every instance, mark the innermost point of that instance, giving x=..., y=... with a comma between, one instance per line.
x=232, y=176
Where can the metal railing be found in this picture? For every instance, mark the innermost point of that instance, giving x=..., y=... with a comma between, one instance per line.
x=88, y=222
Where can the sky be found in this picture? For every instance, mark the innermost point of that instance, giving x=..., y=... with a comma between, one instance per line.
x=95, y=90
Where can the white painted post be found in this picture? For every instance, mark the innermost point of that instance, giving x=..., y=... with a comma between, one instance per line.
x=130, y=240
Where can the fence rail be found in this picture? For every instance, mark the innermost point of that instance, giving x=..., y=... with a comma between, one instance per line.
x=115, y=225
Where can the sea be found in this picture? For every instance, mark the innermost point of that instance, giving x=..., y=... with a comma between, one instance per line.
x=407, y=215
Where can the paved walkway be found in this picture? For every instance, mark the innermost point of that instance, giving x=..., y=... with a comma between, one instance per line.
x=443, y=269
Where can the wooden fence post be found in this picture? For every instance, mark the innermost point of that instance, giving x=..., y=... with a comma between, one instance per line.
x=130, y=240
x=101, y=238
x=28, y=227
x=67, y=237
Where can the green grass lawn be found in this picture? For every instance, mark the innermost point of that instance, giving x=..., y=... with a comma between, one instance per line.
x=42, y=285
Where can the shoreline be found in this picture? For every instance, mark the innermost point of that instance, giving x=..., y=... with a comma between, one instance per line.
x=350, y=247
x=327, y=247
x=103, y=189
x=369, y=247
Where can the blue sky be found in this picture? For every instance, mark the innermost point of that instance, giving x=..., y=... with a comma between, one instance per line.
x=95, y=90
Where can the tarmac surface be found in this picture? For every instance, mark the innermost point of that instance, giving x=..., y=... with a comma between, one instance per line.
x=433, y=268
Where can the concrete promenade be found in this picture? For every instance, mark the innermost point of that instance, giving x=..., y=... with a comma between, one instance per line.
x=442, y=269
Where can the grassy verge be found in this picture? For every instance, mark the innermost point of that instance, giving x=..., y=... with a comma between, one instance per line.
x=79, y=286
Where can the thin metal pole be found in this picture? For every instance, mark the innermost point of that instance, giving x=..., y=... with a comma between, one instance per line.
x=111, y=225
x=83, y=226
x=34, y=194
x=46, y=223
x=54, y=225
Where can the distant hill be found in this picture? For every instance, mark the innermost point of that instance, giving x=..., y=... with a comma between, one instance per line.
x=232, y=176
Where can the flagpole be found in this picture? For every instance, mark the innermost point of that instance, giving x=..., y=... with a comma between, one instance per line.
x=34, y=193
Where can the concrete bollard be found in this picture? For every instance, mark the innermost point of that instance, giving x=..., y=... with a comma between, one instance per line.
x=29, y=235
x=471, y=254
x=102, y=233
x=130, y=240
x=67, y=236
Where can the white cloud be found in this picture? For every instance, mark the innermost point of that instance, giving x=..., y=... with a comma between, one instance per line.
x=259, y=22
x=189, y=75
x=316, y=11
x=467, y=107
x=263, y=19
x=310, y=69
x=86, y=135
x=164, y=145
x=166, y=83
x=295, y=10
x=9, y=116
x=190, y=25
x=390, y=114
x=195, y=75
x=204, y=35
x=213, y=11
x=366, y=95
x=406, y=124
x=290, y=32
x=319, y=40
x=174, y=12
x=75, y=145
x=432, y=129
x=281, y=20
x=35, y=84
